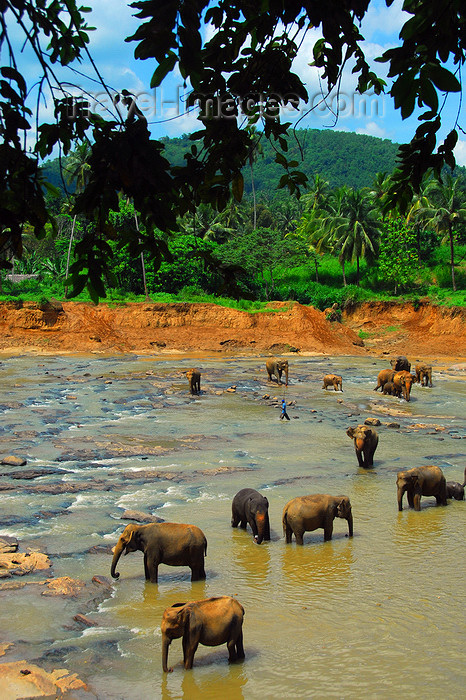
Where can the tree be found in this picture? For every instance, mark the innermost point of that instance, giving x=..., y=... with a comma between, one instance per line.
x=357, y=231
x=244, y=68
x=77, y=169
x=398, y=257
x=445, y=212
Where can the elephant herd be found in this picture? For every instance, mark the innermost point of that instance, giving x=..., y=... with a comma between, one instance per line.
x=219, y=620
x=398, y=380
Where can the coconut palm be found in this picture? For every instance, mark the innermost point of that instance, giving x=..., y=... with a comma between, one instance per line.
x=77, y=170
x=446, y=210
x=350, y=227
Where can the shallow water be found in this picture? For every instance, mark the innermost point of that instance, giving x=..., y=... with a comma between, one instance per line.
x=377, y=615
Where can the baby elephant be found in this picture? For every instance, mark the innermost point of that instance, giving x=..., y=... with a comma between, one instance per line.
x=389, y=389
x=333, y=380
x=455, y=489
x=249, y=506
x=212, y=621
x=365, y=444
x=306, y=513
x=194, y=378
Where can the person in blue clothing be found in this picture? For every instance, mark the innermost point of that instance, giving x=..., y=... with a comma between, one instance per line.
x=284, y=414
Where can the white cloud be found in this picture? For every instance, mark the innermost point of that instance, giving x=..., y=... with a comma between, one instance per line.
x=383, y=20
x=460, y=153
x=373, y=129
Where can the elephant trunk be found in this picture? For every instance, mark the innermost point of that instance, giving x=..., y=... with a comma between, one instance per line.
x=165, y=644
x=116, y=555
x=350, y=524
x=260, y=524
x=399, y=493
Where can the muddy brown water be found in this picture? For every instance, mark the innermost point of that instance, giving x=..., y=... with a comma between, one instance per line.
x=378, y=615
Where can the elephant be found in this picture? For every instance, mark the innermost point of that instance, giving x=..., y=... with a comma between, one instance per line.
x=403, y=381
x=424, y=374
x=400, y=363
x=455, y=489
x=384, y=376
x=389, y=389
x=333, y=380
x=212, y=621
x=175, y=544
x=249, y=506
x=194, y=378
x=421, y=481
x=365, y=444
x=276, y=367
x=305, y=513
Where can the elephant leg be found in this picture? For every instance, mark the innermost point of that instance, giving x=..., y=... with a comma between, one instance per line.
x=410, y=499
x=417, y=501
x=267, y=531
x=328, y=530
x=151, y=569
x=231, y=646
x=360, y=459
x=243, y=523
x=198, y=573
x=288, y=534
x=239, y=645
x=235, y=520
x=146, y=568
x=368, y=458
x=188, y=652
x=299, y=537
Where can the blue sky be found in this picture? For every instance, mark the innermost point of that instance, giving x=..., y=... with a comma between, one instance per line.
x=165, y=109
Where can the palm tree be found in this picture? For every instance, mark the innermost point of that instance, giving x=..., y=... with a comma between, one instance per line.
x=445, y=211
x=350, y=227
x=254, y=150
x=78, y=170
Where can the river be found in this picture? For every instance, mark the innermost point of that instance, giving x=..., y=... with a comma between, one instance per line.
x=379, y=615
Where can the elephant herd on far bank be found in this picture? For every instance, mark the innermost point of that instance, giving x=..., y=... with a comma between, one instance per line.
x=218, y=620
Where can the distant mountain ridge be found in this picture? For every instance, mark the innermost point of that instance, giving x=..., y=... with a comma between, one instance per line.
x=341, y=157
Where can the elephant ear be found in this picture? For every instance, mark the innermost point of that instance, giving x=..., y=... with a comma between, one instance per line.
x=350, y=432
x=128, y=534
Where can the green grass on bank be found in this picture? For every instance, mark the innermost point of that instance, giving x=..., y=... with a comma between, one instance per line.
x=429, y=283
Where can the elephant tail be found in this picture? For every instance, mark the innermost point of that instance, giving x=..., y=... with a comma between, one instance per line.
x=284, y=522
x=205, y=547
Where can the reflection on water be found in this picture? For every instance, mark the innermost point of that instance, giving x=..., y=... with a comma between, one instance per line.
x=345, y=618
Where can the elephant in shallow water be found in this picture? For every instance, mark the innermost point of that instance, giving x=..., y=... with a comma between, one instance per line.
x=212, y=621
x=421, y=481
x=276, y=367
x=249, y=506
x=365, y=444
x=403, y=381
x=424, y=374
x=175, y=544
x=455, y=489
x=389, y=389
x=194, y=378
x=306, y=513
x=333, y=380
x=384, y=376
x=400, y=363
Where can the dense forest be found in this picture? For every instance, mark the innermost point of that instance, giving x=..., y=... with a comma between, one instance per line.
x=333, y=245
x=343, y=158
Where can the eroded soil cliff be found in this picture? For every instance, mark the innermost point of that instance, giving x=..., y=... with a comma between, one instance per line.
x=392, y=328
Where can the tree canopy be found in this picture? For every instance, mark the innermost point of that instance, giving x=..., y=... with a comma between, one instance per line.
x=240, y=74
